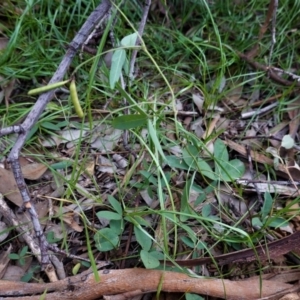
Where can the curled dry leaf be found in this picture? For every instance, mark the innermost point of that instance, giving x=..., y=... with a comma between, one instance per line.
x=198, y=99
x=146, y=197
x=70, y=220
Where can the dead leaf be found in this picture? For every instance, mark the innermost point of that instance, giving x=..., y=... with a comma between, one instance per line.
x=34, y=171
x=291, y=296
x=293, y=112
x=4, y=260
x=89, y=166
x=198, y=99
x=13, y=273
x=69, y=219
x=8, y=187
x=260, y=158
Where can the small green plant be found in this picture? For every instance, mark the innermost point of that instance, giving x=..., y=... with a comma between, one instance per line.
x=224, y=169
x=265, y=218
x=119, y=60
x=20, y=257
x=108, y=238
x=51, y=238
x=29, y=274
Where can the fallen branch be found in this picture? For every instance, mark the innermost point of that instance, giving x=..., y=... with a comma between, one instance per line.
x=112, y=282
x=23, y=130
x=262, y=252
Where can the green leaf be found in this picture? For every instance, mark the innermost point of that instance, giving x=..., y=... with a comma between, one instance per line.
x=129, y=40
x=205, y=169
x=190, y=154
x=201, y=245
x=32, y=131
x=152, y=133
x=220, y=151
x=149, y=177
x=13, y=256
x=86, y=264
x=188, y=241
x=256, y=222
x=267, y=206
x=23, y=251
x=50, y=237
x=76, y=269
x=117, y=226
x=51, y=126
x=22, y=261
x=277, y=222
x=137, y=220
x=191, y=157
x=126, y=66
x=189, y=296
x=158, y=255
x=26, y=277
x=143, y=238
x=231, y=170
x=206, y=210
x=117, y=62
x=149, y=261
x=176, y=162
x=62, y=165
x=115, y=204
x=184, y=205
x=109, y=215
x=129, y=121
x=190, y=232
x=106, y=239
x=226, y=170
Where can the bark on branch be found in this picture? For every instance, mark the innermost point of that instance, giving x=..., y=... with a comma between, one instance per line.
x=112, y=282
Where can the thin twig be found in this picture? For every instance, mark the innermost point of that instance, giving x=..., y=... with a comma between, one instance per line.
x=140, y=34
x=273, y=30
x=11, y=218
x=257, y=112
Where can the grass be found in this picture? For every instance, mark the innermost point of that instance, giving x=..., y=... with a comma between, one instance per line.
x=187, y=52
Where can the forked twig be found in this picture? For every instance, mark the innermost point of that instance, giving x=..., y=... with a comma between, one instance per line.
x=23, y=130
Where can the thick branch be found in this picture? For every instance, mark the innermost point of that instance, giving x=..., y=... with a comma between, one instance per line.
x=84, y=287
